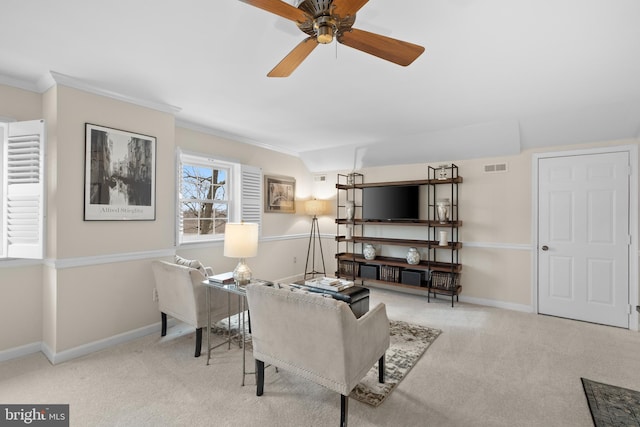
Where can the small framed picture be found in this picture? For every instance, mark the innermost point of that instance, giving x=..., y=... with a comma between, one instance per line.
x=120, y=175
x=280, y=192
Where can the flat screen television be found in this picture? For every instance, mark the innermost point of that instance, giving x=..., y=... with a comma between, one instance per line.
x=388, y=203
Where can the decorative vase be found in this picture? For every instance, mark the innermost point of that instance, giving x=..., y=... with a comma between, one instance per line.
x=442, y=210
x=443, y=239
x=413, y=256
x=442, y=172
x=351, y=208
x=347, y=233
x=369, y=252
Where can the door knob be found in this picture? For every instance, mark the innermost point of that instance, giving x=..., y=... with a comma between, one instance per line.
x=545, y=248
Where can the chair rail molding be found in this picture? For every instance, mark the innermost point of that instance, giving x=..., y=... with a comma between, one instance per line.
x=108, y=259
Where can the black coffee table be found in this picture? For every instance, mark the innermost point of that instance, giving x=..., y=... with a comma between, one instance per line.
x=356, y=296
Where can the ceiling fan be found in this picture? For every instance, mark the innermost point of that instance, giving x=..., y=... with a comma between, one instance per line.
x=324, y=20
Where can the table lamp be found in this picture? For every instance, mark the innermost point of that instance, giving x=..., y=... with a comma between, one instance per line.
x=314, y=208
x=241, y=241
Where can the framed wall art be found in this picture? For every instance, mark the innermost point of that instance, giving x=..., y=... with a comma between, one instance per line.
x=120, y=175
x=280, y=192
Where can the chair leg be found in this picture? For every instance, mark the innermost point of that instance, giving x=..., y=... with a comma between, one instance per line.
x=164, y=324
x=344, y=410
x=259, y=377
x=198, y=341
x=381, y=371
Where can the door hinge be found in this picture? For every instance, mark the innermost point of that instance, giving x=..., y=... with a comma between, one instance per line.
x=630, y=309
x=629, y=239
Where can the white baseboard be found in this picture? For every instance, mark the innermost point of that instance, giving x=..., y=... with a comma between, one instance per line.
x=16, y=352
x=497, y=304
x=422, y=292
x=85, y=349
x=290, y=279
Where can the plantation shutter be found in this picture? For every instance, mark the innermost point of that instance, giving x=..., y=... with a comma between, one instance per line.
x=179, y=216
x=251, y=199
x=23, y=209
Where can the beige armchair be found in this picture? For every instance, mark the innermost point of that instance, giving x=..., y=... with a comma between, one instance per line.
x=316, y=337
x=182, y=296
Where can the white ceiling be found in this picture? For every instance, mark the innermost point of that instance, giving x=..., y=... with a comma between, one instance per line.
x=497, y=76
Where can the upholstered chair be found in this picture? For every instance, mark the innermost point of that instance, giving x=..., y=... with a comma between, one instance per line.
x=316, y=337
x=182, y=296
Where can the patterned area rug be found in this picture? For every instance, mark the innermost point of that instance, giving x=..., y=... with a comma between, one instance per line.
x=222, y=327
x=612, y=406
x=408, y=344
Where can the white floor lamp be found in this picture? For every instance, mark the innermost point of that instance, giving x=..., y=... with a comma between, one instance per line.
x=314, y=207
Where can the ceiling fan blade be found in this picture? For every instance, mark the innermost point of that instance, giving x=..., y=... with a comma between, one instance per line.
x=290, y=62
x=344, y=8
x=396, y=51
x=280, y=8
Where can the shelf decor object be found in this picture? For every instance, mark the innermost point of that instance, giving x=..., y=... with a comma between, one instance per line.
x=413, y=256
x=351, y=209
x=314, y=208
x=443, y=238
x=443, y=207
x=241, y=241
x=369, y=252
x=442, y=172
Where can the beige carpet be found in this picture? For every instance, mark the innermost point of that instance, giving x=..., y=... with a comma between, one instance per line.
x=489, y=368
x=407, y=344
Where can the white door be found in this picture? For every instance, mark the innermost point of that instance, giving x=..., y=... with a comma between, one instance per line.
x=583, y=237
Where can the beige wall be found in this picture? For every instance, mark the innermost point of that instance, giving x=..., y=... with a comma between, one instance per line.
x=91, y=289
x=20, y=104
x=20, y=306
x=496, y=210
x=284, y=236
x=271, y=162
x=75, y=108
x=21, y=285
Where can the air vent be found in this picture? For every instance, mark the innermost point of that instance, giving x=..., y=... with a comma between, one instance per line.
x=496, y=168
x=320, y=178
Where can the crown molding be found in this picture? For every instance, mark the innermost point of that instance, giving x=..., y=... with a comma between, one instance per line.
x=231, y=136
x=53, y=78
x=47, y=81
x=18, y=83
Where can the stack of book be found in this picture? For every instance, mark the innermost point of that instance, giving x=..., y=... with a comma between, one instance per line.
x=222, y=278
x=329, y=283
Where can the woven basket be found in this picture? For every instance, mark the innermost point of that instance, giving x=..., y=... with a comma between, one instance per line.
x=443, y=280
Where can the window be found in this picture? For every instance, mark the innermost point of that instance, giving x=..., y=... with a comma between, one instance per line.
x=204, y=203
x=22, y=189
x=212, y=193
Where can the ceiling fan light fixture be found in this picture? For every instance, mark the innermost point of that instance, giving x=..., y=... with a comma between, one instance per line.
x=325, y=34
x=325, y=27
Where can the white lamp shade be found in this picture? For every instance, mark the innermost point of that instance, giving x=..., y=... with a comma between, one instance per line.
x=241, y=240
x=315, y=207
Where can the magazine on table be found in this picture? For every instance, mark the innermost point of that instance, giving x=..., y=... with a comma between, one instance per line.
x=223, y=278
x=329, y=283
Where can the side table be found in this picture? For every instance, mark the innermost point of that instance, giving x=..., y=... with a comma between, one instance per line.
x=241, y=291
